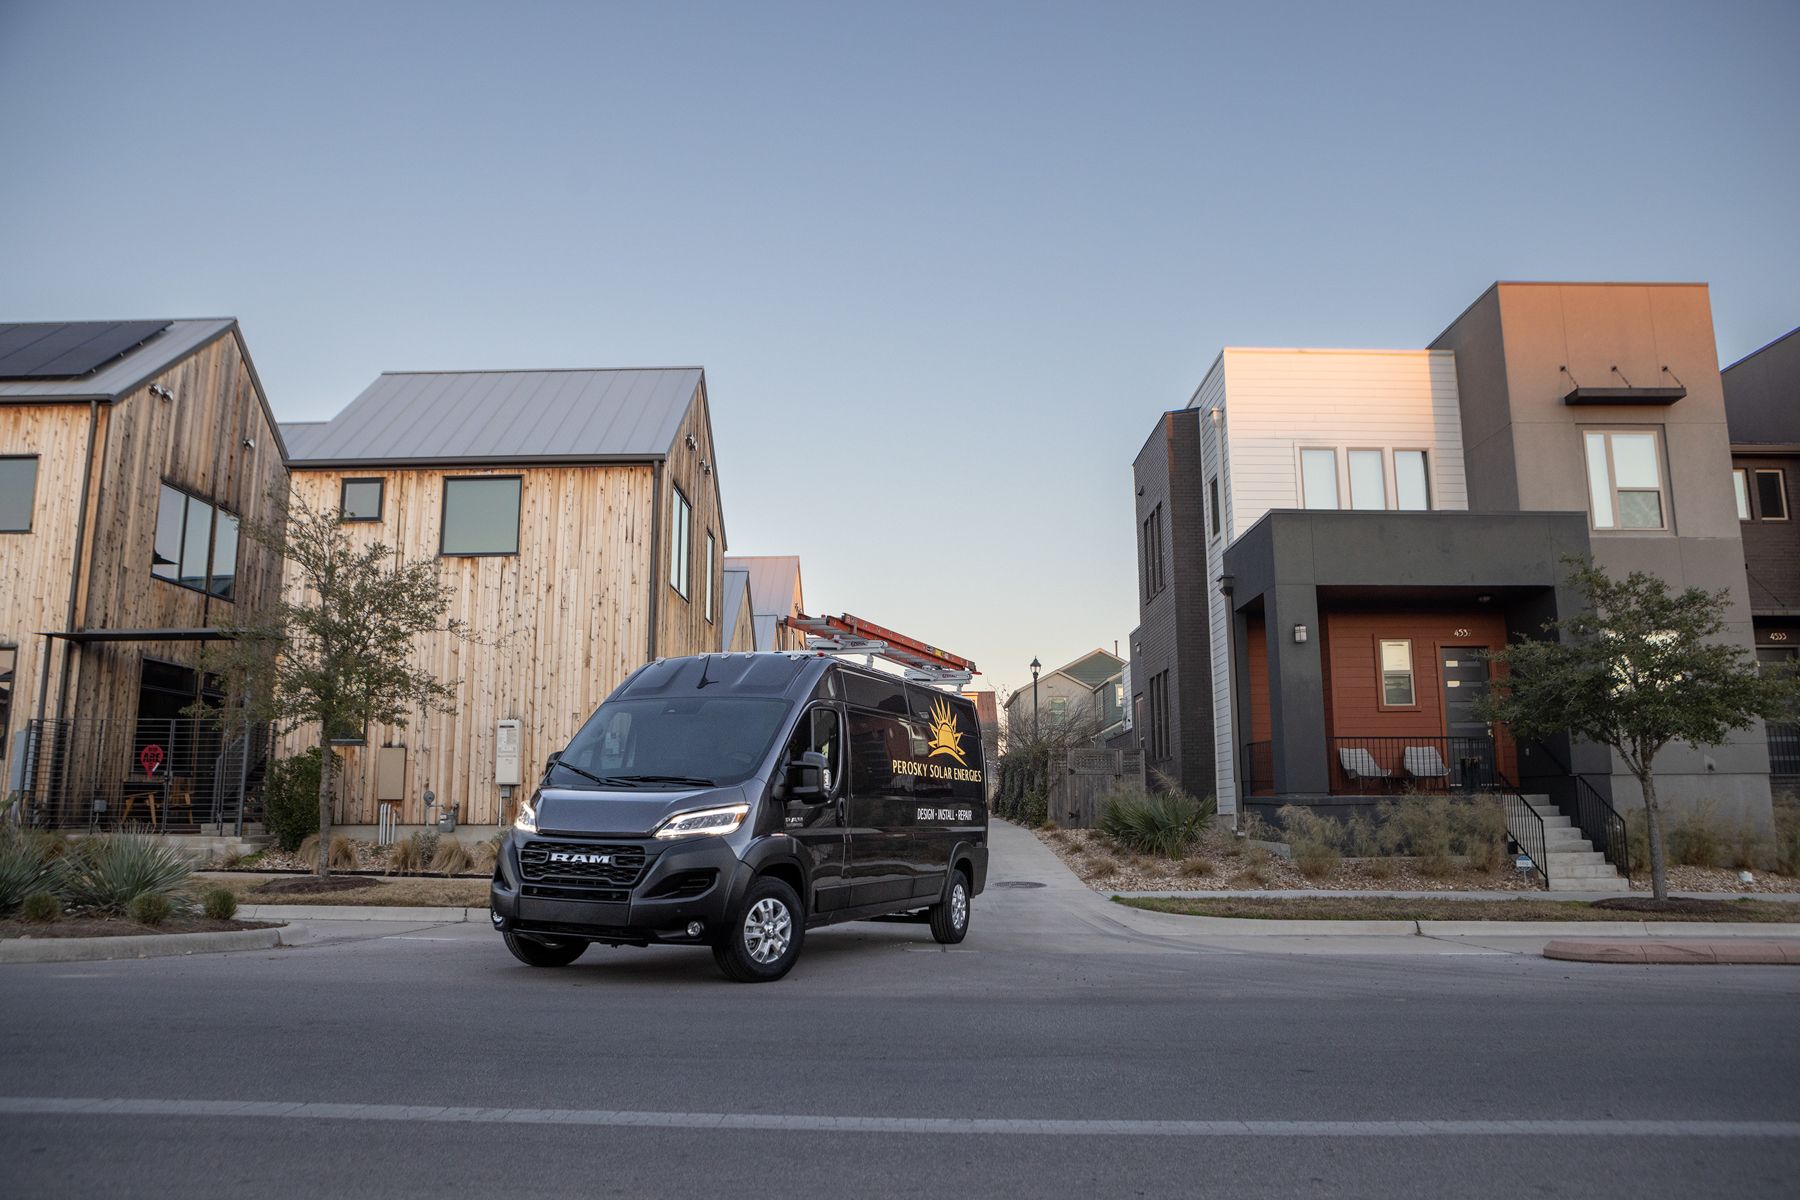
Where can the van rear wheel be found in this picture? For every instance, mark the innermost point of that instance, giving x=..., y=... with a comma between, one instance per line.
x=535, y=953
x=763, y=938
x=950, y=916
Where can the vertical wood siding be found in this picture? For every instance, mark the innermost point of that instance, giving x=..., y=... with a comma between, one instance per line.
x=682, y=627
x=34, y=567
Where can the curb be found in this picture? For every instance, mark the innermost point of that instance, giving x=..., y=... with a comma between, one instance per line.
x=360, y=912
x=1739, y=951
x=137, y=945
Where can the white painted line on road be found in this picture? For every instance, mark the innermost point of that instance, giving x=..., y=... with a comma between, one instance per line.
x=807, y=1123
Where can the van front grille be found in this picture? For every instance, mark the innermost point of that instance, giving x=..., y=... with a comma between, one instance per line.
x=586, y=865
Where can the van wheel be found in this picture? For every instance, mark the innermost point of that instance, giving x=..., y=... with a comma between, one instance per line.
x=535, y=953
x=764, y=936
x=950, y=916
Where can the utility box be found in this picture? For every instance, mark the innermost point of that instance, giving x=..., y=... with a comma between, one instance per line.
x=390, y=773
x=506, y=754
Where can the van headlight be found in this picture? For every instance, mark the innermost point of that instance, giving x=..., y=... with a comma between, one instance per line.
x=704, y=820
x=526, y=821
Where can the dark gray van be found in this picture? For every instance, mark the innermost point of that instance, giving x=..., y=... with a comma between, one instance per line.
x=737, y=800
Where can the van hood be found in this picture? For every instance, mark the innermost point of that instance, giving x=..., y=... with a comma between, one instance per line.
x=623, y=813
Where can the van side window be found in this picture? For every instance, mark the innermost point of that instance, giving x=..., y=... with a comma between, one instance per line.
x=875, y=693
x=874, y=743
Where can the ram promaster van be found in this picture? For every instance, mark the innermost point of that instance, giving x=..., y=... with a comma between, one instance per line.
x=736, y=801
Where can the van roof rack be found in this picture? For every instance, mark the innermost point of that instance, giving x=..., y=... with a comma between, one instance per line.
x=918, y=661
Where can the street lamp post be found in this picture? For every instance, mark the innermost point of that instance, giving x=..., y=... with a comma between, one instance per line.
x=1036, y=666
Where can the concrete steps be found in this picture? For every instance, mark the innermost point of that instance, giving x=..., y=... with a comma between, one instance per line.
x=1571, y=864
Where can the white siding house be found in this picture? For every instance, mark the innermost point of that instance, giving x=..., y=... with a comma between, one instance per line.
x=1354, y=422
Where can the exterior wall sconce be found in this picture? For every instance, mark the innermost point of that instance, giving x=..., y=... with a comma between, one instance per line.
x=691, y=443
x=705, y=467
x=1299, y=633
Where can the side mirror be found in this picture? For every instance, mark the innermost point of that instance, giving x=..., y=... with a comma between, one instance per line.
x=555, y=757
x=806, y=778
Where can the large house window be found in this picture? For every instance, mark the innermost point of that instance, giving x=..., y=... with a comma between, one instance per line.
x=1153, y=553
x=1625, y=488
x=1212, y=494
x=711, y=552
x=360, y=500
x=681, y=515
x=18, y=491
x=1412, y=488
x=481, y=516
x=1740, y=486
x=196, y=544
x=1318, y=479
x=1368, y=479
x=1771, y=495
x=1397, y=674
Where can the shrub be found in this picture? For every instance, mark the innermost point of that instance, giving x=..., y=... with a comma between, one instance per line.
x=1696, y=840
x=111, y=870
x=1193, y=867
x=1104, y=864
x=40, y=907
x=219, y=903
x=452, y=858
x=1256, y=875
x=343, y=853
x=150, y=908
x=403, y=856
x=291, y=799
x=483, y=855
x=1360, y=837
x=24, y=867
x=308, y=850
x=1785, y=853
x=1382, y=868
x=1163, y=823
x=1480, y=834
x=1313, y=840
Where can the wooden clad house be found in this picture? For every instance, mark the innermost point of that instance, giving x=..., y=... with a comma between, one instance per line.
x=576, y=519
x=130, y=452
x=773, y=581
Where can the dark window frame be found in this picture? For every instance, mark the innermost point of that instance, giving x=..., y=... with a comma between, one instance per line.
x=1159, y=740
x=1382, y=703
x=30, y=509
x=214, y=508
x=444, y=512
x=1762, y=509
x=380, y=483
x=1155, y=578
x=1212, y=495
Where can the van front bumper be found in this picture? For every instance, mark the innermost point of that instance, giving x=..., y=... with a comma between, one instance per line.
x=681, y=883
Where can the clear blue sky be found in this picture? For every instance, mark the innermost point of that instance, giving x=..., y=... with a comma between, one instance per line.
x=943, y=263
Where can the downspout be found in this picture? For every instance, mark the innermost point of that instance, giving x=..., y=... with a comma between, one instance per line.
x=656, y=508
x=81, y=522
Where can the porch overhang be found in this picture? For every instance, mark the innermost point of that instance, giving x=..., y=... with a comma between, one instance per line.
x=140, y=635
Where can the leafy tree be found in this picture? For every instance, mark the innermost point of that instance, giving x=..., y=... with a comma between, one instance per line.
x=1639, y=668
x=337, y=651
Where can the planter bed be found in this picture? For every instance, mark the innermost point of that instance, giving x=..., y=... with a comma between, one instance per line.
x=90, y=927
x=1384, y=908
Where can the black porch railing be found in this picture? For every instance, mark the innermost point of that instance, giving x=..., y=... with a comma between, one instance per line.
x=1523, y=824
x=1376, y=765
x=1602, y=825
x=176, y=775
x=1784, y=750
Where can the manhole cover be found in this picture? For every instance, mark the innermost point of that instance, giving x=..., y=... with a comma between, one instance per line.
x=1017, y=883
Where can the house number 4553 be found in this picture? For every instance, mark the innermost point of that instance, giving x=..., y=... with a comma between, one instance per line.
x=1462, y=633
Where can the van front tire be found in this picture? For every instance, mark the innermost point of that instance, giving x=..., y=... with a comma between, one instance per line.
x=763, y=939
x=534, y=953
x=950, y=916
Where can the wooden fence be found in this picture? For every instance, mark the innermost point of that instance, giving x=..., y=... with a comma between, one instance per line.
x=1081, y=782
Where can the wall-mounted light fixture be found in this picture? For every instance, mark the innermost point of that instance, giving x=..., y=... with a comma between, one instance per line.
x=1299, y=633
x=157, y=389
x=705, y=467
x=691, y=443
x=249, y=443
x=1226, y=583
x=1218, y=416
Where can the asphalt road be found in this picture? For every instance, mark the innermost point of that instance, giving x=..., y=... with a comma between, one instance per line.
x=1027, y=1062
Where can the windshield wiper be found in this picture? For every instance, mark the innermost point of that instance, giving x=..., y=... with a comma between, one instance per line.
x=689, y=780
x=602, y=780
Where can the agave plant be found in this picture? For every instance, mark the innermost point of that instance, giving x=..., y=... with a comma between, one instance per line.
x=112, y=870
x=25, y=867
x=1165, y=823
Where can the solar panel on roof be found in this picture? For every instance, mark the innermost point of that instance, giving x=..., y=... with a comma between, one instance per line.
x=69, y=349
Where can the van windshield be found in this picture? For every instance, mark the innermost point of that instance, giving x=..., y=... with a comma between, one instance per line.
x=685, y=741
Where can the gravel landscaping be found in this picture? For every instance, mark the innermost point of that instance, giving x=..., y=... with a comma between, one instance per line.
x=91, y=926
x=252, y=888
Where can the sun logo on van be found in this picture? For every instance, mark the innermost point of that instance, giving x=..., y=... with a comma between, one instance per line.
x=946, y=738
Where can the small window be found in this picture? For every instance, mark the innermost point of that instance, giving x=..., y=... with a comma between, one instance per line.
x=1397, y=674
x=1771, y=495
x=223, y=579
x=18, y=493
x=1318, y=479
x=1412, y=488
x=1368, y=480
x=1740, y=486
x=360, y=500
x=681, y=516
x=1625, y=480
x=1212, y=495
x=711, y=551
x=481, y=516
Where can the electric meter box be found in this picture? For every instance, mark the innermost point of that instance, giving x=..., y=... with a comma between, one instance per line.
x=506, y=754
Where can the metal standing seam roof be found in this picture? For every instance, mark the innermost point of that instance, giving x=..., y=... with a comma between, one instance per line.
x=125, y=373
x=503, y=417
x=774, y=583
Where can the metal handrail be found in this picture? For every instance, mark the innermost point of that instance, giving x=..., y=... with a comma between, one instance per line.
x=1599, y=822
x=1524, y=824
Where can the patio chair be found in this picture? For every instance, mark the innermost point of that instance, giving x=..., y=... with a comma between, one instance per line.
x=1360, y=766
x=1424, y=762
